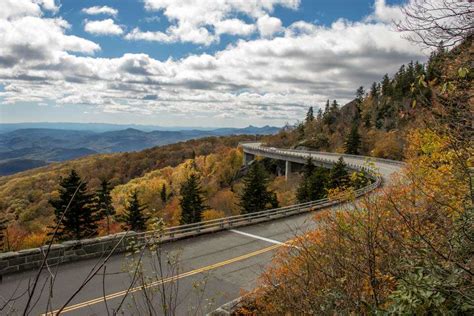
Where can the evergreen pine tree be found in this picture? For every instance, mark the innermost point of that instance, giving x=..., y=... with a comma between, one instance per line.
x=103, y=203
x=310, y=115
x=317, y=184
x=256, y=197
x=314, y=182
x=192, y=202
x=79, y=220
x=360, y=93
x=163, y=194
x=386, y=86
x=338, y=176
x=320, y=115
x=300, y=130
x=353, y=141
x=133, y=216
x=302, y=191
x=308, y=168
x=326, y=108
x=374, y=93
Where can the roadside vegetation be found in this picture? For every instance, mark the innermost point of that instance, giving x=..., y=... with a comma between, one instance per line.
x=406, y=250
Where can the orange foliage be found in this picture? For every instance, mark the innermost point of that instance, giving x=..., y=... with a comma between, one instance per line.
x=355, y=259
x=171, y=214
x=225, y=201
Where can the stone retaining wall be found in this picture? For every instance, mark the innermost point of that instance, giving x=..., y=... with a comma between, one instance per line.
x=22, y=260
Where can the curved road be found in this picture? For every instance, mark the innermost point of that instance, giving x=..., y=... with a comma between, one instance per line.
x=213, y=268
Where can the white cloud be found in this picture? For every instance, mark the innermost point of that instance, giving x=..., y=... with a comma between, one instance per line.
x=203, y=21
x=268, y=26
x=234, y=27
x=100, y=10
x=271, y=78
x=385, y=13
x=49, y=5
x=102, y=27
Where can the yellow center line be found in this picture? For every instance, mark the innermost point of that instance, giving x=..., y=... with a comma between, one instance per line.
x=162, y=281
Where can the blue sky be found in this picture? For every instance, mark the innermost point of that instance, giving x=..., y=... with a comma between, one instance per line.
x=191, y=63
x=131, y=13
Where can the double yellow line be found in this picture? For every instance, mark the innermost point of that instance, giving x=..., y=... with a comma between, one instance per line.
x=162, y=281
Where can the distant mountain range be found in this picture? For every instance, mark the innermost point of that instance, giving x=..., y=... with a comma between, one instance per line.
x=95, y=127
x=26, y=148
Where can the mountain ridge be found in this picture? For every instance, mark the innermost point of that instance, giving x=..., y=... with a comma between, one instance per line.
x=20, y=147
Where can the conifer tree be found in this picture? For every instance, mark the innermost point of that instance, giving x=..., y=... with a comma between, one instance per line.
x=103, y=203
x=353, y=141
x=308, y=168
x=302, y=191
x=360, y=94
x=163, y=195
x=310, y=115
x=314, y=183
x=359, y=99
x=78, y=220
x=320, y=115
x=374, y=93
x=317, y=184
x=256, y=196
x=338, y=176
x=192, y=202
x=386, y=86
x=134, y=216
x=300, y=131
x=326, y=107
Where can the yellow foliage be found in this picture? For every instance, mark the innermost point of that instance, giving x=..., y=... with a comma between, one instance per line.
x=225, y=201
x=285, y=189
x=34, y=240
x=384, y=144
x=211, y=214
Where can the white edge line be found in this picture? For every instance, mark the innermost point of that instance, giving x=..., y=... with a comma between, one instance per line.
x=259, y=237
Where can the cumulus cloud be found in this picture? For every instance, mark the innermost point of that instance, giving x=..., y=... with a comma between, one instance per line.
x=100, y=10
x=273, y=77
x=17, y=8
x=49, y=5
x=30, y=40
x=268, y=26
x=234, y=27
x=102, y=27
x=385, y=13
x=203, y=21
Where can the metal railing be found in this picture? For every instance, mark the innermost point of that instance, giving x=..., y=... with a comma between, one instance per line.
x=294, y=152
x=182, y=231
x=247, y=219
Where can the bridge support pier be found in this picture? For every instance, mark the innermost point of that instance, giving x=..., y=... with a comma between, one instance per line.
x=248, y=158
x=287, y=169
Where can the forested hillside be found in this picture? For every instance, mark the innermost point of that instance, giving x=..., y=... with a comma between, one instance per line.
x=377, y=121
x=24, y=197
